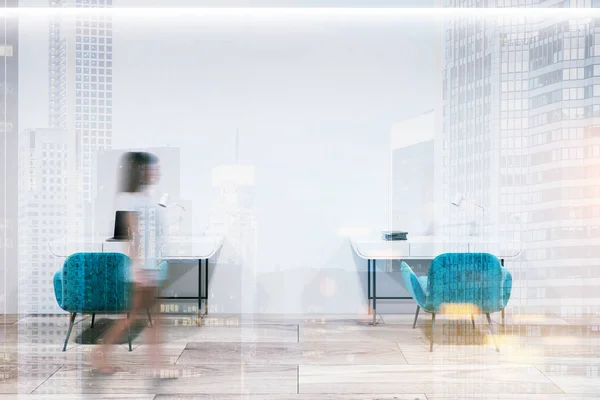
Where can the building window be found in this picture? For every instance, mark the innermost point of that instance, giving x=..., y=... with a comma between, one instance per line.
x=6, y=51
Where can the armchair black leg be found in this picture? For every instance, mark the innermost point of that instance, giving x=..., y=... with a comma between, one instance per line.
x=432, y=327
x=129, y=331
x=416, y=316
x=492, y=330
x=71, y=322
x=149, y=316
x=93, y=318
x=473, y=320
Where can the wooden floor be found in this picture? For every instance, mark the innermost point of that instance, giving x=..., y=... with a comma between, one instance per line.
x=313, y=358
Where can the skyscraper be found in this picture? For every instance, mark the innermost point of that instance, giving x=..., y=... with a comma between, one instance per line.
x=232, y=216
x=233, y=208
x=80, y=87
x=521, y=118
x=468, y=141
x=9, y=99
x=49, y=209
x=412, y=147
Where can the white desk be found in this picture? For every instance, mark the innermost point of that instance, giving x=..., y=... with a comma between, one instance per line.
x=179, y=249
x=186, y=249
x=423, y=248
x=63, y=248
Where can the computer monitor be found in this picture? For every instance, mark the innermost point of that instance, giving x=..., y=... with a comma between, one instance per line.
x=121, y=232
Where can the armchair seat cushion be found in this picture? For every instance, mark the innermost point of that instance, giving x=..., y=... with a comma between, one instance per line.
x=94, y=282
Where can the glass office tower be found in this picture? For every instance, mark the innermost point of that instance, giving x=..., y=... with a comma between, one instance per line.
x=81, y=81
x=9, y=101
x=521, y=136
x=47, y=212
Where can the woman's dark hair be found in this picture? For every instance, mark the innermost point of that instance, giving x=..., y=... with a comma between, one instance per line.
x=133, y=169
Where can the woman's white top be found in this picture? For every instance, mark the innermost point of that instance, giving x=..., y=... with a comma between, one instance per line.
x=148, y=235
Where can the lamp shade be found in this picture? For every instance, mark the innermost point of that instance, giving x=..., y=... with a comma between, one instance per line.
x=163, y=200
x=457, y=199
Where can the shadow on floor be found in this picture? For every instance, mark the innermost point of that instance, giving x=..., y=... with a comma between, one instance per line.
x=97, y=334
x=457, y=333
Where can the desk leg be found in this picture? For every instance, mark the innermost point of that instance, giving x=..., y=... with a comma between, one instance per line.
x=206, y=288
x=369, y=285
x=374, y=292
x=199, y=318
x=502, y=262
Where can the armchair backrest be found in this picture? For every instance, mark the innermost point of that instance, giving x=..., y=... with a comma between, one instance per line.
x=93, y=282
x=466, y=278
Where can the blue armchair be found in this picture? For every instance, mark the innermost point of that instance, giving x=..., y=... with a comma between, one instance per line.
x=475, y=279
x=93, y=283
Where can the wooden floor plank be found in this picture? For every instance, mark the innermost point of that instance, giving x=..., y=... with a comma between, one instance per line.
x=464, y=379
x=223, y=379
x=291, y=353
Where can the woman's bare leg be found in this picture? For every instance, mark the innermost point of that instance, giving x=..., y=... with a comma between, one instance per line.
x=153, y=340
x=153, y=336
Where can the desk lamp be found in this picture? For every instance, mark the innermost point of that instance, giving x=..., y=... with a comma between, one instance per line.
x=459, y=198
x=164, y=203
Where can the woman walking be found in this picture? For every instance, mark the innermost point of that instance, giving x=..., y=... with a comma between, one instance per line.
x=139, y=173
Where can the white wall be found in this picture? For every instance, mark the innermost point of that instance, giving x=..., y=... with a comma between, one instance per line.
x=314, y=101
x=313, y=98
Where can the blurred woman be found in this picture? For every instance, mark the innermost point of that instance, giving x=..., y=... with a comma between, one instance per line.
x=139, y=173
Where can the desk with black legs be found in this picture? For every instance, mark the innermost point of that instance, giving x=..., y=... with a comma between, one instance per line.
x=421, y=248
x=184, y=249
x=194, y=249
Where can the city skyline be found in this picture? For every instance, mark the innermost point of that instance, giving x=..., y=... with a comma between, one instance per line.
x=489, y=123
x=79, y=82
x=288, y=198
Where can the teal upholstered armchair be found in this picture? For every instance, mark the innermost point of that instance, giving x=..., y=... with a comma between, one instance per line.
x=472, y=279
x=91, y=283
